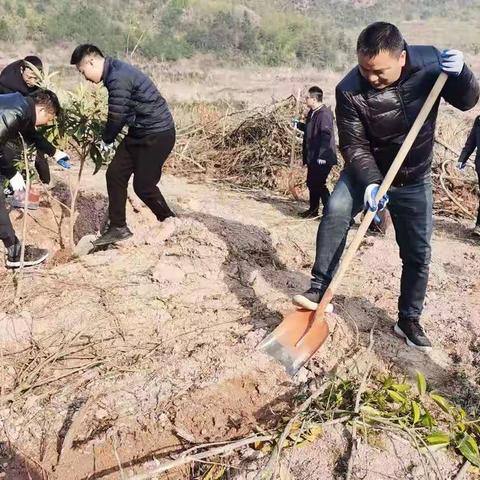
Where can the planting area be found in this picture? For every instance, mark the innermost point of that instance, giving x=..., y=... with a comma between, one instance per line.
x=116, y=362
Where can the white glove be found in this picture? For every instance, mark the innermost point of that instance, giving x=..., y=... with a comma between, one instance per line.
x=320, y=161
x=17, y=182
x=62, y=159
x=369, y=198
x=452, y=62
x=105, y=148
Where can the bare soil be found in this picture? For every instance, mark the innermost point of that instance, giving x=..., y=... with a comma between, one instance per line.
x=125, y=356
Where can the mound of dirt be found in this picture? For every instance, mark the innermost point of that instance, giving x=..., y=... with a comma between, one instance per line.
x=130, y=354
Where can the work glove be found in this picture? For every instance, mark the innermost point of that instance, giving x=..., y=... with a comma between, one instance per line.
x=17, y=182
x=295, y=122
x=461, y=166
x=320, y=161
x=62, y=159
x=105, y=148
x=452, y=62
x=370, y=203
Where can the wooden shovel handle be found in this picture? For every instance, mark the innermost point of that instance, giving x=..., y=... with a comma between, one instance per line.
x=387, y=181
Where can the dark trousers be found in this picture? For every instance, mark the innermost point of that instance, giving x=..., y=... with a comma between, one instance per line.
x=411, y=211
x=7, y=234
x=317, y=184
x=143, y=158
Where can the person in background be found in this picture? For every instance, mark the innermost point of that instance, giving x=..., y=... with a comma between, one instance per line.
x=133, y=101
x=20, y=77
x=319, y=150
x=18, y=114
x=472, y=144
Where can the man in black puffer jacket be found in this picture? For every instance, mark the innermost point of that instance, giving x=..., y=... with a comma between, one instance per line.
x=20, y=77
x=377, y=103
x=133, y=101
x=19, y=114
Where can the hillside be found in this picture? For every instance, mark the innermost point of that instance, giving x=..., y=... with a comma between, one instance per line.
x=314, y=32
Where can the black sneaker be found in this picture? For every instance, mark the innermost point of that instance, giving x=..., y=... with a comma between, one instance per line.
x=310, y=299
x=33, y=256
x=412, y=332
x=113, y=235
x=309, y=213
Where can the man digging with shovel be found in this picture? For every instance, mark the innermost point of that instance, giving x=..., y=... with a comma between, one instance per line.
x=376, y=104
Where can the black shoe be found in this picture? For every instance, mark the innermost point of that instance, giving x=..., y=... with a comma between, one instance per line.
x=169, y=215
x=412, y=332
x=310, y=299
x=113, y=235
x=33, y=256
x=309, y=214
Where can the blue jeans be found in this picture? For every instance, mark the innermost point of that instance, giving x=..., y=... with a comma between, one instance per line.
x=410, y=207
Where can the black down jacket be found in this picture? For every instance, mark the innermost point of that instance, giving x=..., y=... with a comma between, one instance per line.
x=17, y=114
x=319, y=137
x=472, y=143
x=133, y=100
x=372, y=124
x=11, y=81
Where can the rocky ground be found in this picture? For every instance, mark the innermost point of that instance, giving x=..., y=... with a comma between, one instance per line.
x=116, y=359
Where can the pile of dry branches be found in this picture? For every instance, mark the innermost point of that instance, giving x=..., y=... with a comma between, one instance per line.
x=248, y=148
x=253, y=149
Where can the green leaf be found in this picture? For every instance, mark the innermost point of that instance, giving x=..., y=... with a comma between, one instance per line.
x=469, y=449
x=421, y=383
x=427, y=420
x=370, y=411
x=396, y=397
x=415, y=412
x=441, y=402
x=438, y=439
x=401, y=387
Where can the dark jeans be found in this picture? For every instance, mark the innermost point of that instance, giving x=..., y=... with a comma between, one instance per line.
x=143, y=158
x=411, y=211
x=317, y=184
x=7, y=234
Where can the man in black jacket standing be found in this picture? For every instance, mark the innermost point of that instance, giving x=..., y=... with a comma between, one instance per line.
x=19, y=114
x=133, y=100
x=472, y=144
x=376, y=104
x=319, y=151
x=20, y=77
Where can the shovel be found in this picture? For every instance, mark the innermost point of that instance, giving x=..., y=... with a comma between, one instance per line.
x=303, y=332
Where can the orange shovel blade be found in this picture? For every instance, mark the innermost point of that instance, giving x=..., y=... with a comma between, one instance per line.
x=296, y=339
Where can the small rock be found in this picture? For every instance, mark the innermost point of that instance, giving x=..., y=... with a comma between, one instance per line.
x=84, y=246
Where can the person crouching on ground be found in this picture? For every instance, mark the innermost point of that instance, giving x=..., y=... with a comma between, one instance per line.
x=21, y=114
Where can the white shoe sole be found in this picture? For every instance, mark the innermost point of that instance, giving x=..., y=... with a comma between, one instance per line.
x=26, y=264
x=302, y=302
x=400, y=333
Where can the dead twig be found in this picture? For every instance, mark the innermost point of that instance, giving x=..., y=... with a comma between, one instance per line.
x=230, y=447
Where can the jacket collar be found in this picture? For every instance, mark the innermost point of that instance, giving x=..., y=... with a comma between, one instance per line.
x=106, y=68
x=31, y=110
